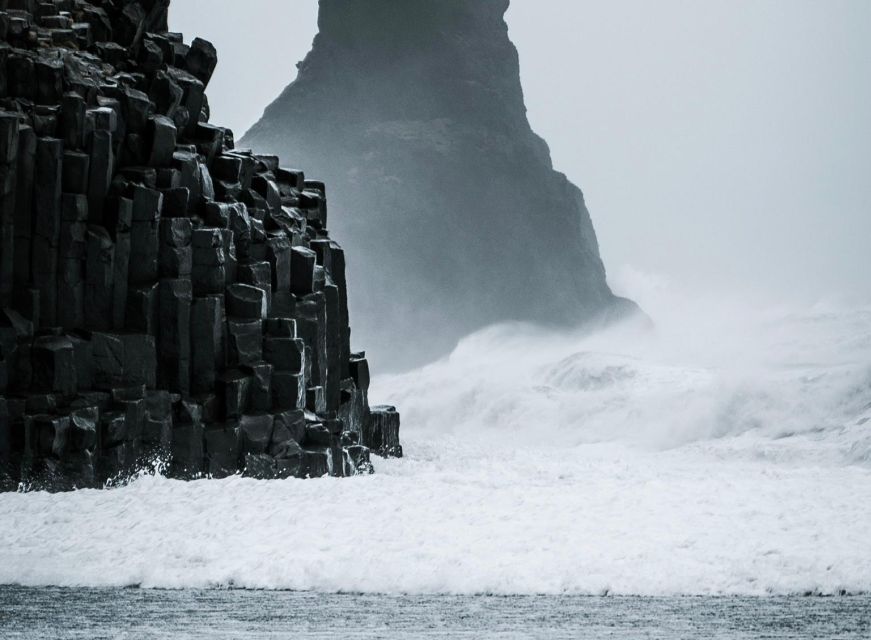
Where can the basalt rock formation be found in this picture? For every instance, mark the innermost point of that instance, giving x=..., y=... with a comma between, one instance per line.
x=452, y=212
x=163, y=293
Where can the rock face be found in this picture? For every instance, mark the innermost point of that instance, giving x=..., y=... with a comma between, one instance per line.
x=451, y=210
x=163, y=293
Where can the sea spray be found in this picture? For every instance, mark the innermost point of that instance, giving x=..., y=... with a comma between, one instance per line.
x=719, y=453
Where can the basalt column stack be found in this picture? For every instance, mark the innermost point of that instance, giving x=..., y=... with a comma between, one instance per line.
x=164, y=294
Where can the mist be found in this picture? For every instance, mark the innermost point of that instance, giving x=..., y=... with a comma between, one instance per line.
x=714, y=367
x=720, y=145
x=727, y=456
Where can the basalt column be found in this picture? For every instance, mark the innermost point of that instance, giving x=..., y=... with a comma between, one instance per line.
x=165, y=295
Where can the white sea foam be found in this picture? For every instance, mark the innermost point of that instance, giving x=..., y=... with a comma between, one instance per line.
x=726, y=451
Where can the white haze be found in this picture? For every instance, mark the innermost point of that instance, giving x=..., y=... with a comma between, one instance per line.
x=711, y=366
x=725, y=144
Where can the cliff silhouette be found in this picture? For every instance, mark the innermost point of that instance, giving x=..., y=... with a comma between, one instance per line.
x=453, y=215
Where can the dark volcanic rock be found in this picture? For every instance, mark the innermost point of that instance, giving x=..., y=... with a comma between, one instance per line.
x=453, y=214
x=160, y=290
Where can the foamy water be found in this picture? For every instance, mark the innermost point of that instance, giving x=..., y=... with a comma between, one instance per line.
x=727, y=451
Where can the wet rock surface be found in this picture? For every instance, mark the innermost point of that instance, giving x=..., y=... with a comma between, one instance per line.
x=413, y=112
x=165, y=295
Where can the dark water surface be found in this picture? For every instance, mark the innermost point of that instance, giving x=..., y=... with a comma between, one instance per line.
x=134, y=613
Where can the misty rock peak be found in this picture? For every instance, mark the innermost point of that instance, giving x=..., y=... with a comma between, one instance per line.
x=453, y=214
x=459, y=48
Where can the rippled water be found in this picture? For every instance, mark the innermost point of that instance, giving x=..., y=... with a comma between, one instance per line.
x=135, y=613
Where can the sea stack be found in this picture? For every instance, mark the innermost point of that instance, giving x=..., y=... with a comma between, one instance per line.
x=164, y=295
x=450, y=207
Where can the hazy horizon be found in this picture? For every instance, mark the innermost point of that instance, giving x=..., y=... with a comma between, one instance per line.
x=724, y=144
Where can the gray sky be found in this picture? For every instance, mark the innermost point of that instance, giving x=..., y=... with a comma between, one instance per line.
x=718, y=142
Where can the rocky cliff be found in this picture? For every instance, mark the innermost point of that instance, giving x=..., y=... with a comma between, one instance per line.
x=452, y=212
x=164, y=294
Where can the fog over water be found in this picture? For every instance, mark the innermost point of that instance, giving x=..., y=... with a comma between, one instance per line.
x=721, y=145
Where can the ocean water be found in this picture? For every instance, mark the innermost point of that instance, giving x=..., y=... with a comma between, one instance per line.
x=717, y=466
x=95, y=614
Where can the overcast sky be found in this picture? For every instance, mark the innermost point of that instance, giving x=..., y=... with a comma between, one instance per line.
x=718, y=142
